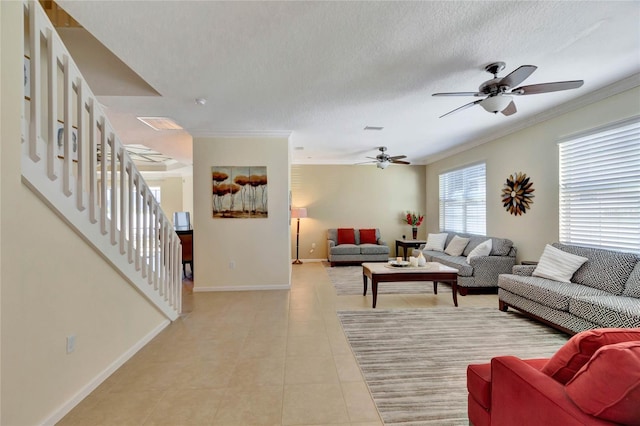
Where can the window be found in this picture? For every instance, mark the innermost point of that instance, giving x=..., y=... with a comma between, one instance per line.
x=600, y=187
x=463, y=200
x=153, y=190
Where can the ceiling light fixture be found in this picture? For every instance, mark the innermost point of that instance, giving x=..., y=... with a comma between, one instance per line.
x=495, y=104
x=383, y=164
x=201, y=101
x=160, y=123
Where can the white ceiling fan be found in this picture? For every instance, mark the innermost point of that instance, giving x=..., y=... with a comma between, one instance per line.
x=498, y=92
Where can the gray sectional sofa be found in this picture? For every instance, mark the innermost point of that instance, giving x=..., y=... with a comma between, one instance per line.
x=481, y=272
x=355, y=253
x=604, y=292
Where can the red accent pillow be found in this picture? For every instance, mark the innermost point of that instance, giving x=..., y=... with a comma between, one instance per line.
x=346, y=236
x=368, y=236
x=608, y=386
x=570, y=358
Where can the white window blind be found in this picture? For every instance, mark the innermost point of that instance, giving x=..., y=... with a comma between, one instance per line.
x=463, y=200
x=600, y=187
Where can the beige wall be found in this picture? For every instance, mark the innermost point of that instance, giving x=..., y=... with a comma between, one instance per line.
x=171, y=194
x=187, y=195
x=53, y=284
x=533, y=151
x=12, y=133
x=241, y=254
x=354, y=196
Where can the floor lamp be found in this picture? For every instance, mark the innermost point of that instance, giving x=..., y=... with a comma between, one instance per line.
x=298, y=213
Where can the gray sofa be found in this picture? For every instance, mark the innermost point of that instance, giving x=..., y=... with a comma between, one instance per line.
x=355, y=253
x=482, y=272
x=604, y=292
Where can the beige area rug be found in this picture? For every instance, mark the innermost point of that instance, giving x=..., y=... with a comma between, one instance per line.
x=414, y=361
x=347, y=280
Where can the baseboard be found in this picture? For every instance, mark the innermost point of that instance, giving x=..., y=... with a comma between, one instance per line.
x=58, y=414
x=242, y=288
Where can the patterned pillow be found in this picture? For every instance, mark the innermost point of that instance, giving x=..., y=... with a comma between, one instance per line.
x=346, y=236
x=501, y=246
x=436, y=242
x=456, y=246
x=632, y=286
x=606, y=270
x=608, y=386
x=558, y=265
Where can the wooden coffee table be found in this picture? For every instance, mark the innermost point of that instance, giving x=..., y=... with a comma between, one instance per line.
x=433, y=271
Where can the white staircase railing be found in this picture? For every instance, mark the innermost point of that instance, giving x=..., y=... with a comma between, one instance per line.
x=74, y=160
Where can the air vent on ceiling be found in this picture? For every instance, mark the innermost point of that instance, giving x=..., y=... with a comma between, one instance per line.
x=373, y=128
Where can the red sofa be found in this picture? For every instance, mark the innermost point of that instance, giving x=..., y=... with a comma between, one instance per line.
x=592, y=380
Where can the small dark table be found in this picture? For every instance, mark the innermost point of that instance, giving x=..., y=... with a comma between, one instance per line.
x=405, y=244
x=186, y=240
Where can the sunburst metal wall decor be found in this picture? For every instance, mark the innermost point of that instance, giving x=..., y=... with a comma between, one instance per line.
x=517, y=194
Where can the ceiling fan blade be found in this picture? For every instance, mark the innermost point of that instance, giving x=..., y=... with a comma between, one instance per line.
x=397, y=157
x=399, y=162
x=547, y=87
x=459, y=94
x=469, y=105
x=510, y=109
x=518, y=76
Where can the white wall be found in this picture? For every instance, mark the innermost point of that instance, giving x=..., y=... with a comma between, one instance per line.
x=532, y=151
x=258, y=248
x=53, y=284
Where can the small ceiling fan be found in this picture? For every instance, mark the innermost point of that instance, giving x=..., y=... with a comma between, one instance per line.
x=498, y=92
x=383, y=159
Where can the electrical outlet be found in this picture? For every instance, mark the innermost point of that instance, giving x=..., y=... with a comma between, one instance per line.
x=71, y=343
x=313, y=245
x=232, y=264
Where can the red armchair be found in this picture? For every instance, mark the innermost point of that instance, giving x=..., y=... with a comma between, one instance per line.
x=593, y=380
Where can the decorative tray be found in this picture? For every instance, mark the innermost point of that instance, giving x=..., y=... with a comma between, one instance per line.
x=401, y=264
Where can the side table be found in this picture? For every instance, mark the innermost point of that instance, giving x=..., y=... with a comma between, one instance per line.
x=406, y=244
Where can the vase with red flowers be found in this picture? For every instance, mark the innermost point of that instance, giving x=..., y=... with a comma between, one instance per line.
x=414, y=219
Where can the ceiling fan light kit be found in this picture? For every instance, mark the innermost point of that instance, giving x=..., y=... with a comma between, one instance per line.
x=496, y=104
x=499, y=90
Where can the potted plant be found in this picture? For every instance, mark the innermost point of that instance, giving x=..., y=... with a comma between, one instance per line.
x=414, y=219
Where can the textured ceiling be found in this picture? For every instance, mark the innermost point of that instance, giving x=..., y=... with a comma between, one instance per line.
x=324, y=70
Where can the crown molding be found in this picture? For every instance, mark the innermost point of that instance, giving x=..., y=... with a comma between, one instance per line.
x=613, y=89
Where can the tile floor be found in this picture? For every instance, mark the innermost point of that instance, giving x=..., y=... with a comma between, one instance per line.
x=251, y=358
